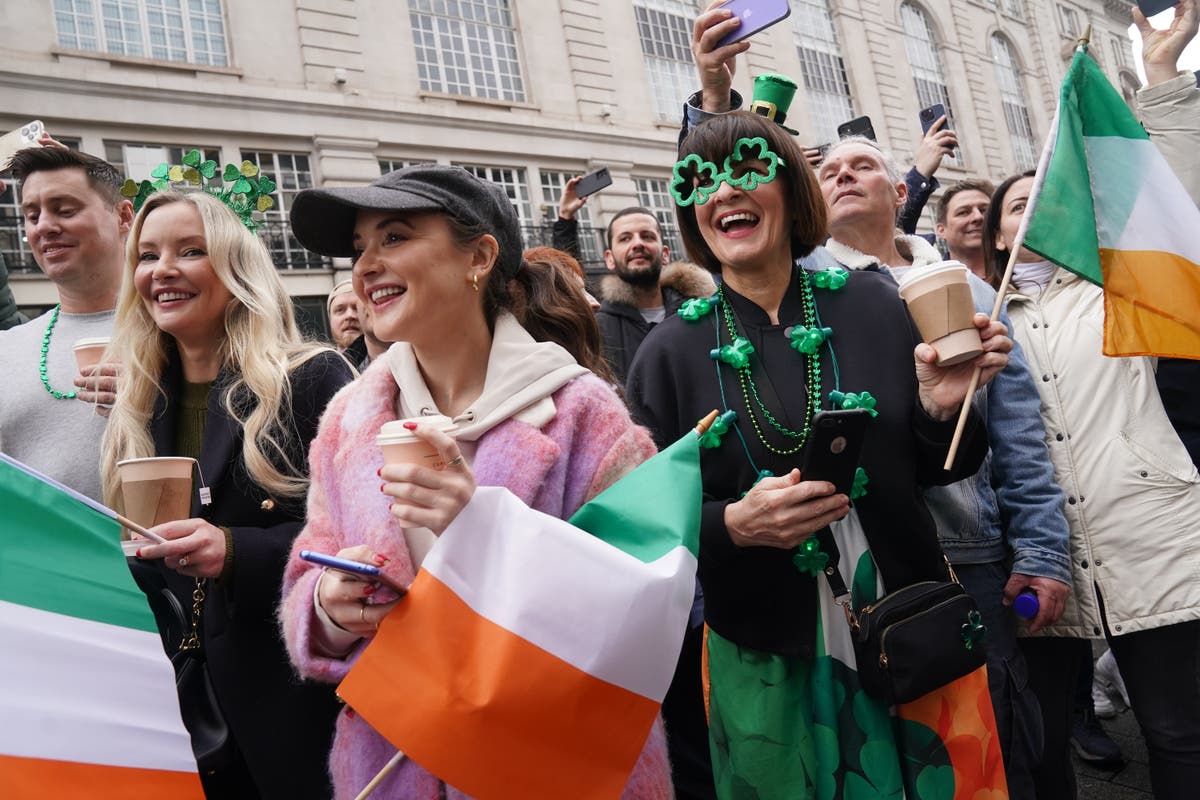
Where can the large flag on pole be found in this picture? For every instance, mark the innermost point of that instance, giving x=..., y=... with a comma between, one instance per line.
x=1106, y=206
x=530, y=659
x=87, y=696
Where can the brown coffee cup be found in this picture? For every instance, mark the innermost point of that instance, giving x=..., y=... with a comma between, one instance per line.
x=402, y=446
x=156, y=490
x=940, y=302
x=89, y=352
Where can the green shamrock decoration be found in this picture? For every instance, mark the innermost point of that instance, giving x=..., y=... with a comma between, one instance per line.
x=750, y=179
x=832, y=278
x=973, y=630
x=736, y=355
x=696, y=307
x=808, y=340
x=851, y=400
x=716, y=432
x=809, y=559
x=249, y=193
x=859, y=488
x=689, y=185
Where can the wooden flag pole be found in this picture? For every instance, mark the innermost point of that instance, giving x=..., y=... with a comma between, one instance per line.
x=974, y=384
x=383, y=773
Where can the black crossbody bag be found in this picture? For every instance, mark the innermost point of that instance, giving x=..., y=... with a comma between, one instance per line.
x=913, y=640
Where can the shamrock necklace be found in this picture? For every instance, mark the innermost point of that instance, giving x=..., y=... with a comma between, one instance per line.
x=807, y=339
x=57, y=395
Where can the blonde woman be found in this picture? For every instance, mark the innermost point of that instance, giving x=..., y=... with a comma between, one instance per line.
x=215, y=369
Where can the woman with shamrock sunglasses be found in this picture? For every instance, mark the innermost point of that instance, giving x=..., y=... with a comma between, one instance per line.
x=775, y=345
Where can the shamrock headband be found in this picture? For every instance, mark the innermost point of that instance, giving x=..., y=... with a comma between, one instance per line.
x=246, y=192
x=695, y=179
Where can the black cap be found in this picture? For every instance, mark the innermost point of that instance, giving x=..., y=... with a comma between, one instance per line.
x=323, y=219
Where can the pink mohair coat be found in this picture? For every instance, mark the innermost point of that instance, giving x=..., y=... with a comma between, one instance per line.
x=589, y=444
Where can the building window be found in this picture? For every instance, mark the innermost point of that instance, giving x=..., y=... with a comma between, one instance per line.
x=1068, y=21
x=1012, y=97
x=821, y=66
x=467, y=47
x=291, y=173
x=387, y=165
x=591, y=238
x=1013, y=8
x=512, y=180
x=665, y=30
x=654, y=195
x=137, y=161
x=1120, y=51
x=926, y=63
x=191, y=31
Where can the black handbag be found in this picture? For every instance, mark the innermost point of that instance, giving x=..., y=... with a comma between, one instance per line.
x=913, y=640
x=212, y=743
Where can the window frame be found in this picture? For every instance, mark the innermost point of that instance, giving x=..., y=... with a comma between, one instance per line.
x=461, y=60
x=138, y=24
x=668, y=66
x=276, y=230
x=829, y=67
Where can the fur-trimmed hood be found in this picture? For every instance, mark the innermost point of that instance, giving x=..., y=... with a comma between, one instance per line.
x=914, y=247
x=682, y=276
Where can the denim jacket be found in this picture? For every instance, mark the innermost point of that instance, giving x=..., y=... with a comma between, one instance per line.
x=1012, y=506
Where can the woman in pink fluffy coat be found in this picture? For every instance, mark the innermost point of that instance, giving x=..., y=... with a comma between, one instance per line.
x=437, y=256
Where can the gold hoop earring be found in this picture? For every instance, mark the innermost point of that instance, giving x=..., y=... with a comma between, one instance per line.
x=475, y=281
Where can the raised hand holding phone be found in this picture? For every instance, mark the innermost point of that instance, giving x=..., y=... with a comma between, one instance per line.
x=755, y=16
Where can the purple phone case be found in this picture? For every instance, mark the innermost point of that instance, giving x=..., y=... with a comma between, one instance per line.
x=756, y=15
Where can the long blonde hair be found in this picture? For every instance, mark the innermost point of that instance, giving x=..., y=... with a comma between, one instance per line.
x=260, y=346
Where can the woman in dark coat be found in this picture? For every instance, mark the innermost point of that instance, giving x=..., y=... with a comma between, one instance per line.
x=216, y=370
x=787, y=716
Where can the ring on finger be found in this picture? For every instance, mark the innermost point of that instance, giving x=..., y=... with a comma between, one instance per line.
x=183, y=561
x=362, y=613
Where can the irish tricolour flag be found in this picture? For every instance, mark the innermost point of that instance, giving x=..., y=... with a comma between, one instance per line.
x=530, y=657
x=1107, y=207
x=87, y=696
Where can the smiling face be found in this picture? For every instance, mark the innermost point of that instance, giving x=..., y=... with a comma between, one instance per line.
x=344, y=320
x=415, y=275
x=175, y=279
x=637, y=252
x=72, y=230
x=857, y=189
x=963, y=228
x=747, y=230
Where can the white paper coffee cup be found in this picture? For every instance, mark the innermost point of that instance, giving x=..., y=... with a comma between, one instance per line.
x=402, y=446
x=156, y=490
x=89, y=352
x=940, y=302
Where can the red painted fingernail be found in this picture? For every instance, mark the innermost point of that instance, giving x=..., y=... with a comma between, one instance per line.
x=138, y=553
x=379, y=472
x=411, y=426
x=369, y=589
x=381, y=559
x=381, y=486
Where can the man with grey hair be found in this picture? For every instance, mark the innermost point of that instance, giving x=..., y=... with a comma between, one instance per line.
x=1012, y=508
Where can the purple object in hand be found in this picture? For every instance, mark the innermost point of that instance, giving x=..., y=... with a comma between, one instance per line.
x=1026, y=605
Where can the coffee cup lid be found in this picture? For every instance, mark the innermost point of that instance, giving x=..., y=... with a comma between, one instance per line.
x=917, y=273
x=92, y=342
x=396, y=430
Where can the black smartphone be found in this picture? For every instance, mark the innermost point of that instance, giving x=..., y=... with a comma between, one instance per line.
x=756, y=15
x=859, y=126
x=824, y=148
x=593, y=182
x=1152, y=7
x=834, y=445
x=932, y=114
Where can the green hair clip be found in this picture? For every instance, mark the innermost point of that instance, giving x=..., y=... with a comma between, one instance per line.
x=242, y=188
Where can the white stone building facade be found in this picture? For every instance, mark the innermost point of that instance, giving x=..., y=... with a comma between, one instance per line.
x=525, y=92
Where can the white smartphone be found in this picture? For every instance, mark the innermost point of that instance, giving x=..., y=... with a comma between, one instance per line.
x=18, y=139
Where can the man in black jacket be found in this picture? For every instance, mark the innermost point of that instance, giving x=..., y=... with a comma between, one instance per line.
x=641, y=292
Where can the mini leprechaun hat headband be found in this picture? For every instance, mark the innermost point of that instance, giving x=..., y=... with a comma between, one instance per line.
x=773, y=94
x=242, y=188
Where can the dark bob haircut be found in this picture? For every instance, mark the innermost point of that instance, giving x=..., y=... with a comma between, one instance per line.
x=713, y=141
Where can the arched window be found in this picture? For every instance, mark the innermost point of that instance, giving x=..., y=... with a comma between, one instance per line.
x=1012, y=97
x=821, y=66
x=922, y=48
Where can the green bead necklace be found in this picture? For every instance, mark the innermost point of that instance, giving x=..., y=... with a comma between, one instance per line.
x=45, y=351
x=812, y=368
